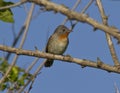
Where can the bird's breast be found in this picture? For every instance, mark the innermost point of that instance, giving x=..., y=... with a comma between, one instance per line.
x=58, y=46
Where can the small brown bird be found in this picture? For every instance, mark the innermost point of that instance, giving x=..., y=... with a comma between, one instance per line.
x=57, y=43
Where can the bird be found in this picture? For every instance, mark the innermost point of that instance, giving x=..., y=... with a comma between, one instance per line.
x=57, y=43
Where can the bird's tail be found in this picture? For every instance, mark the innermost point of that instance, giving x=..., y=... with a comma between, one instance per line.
x=48, y=62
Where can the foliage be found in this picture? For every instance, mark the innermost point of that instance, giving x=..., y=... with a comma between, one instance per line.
x=16, y=77
x=6, y=15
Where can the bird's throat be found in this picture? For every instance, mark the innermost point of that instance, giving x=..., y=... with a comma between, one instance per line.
x=63, y=36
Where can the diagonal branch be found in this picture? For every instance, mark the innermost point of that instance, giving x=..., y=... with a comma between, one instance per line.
x=83, y=11
x=83, y=62
x=50, y=6
x=27, y=23
x=27, y=71
x=32, y=78
x=73, y=8
x=13, y=5
x=108, y=37
x=16, y=40
x=87, y=6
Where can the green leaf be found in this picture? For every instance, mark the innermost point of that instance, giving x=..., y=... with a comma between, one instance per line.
x=21, y=82
x=14, y=74
x=3, y=3
x=6, y=15
x=3, y=87
x=3, y=65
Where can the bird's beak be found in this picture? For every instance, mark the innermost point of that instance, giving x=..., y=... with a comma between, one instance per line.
x=69, y=31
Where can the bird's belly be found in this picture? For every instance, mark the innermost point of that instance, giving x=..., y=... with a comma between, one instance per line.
x=58, y=47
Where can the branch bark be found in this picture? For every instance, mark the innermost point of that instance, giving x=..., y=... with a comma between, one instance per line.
x=13, y=5
x=108, y=37
x=50, y=6
x=83, y=62
x=27, y=23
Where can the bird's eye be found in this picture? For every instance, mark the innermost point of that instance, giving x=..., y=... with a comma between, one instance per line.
x=63, y=30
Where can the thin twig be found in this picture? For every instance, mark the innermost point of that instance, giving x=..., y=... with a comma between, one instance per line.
x=25, y=8
x=116, y=88
x=87, y=6
x=27, y=71
x=27, y=23
x=31, y=66
x=73, y=8
x=108, y=37
x=13, y=5
x=16, y=40
x=83, y=11
x=13, y=30
x=36, y=73
x=34, y=76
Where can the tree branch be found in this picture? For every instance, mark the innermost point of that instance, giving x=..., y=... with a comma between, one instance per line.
x=27, y=23
x=73, y=8
x=83, y=62
x=50, y=6
x=87, y=6
x=13, y=5
x=74, y=16
x=108, y=37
